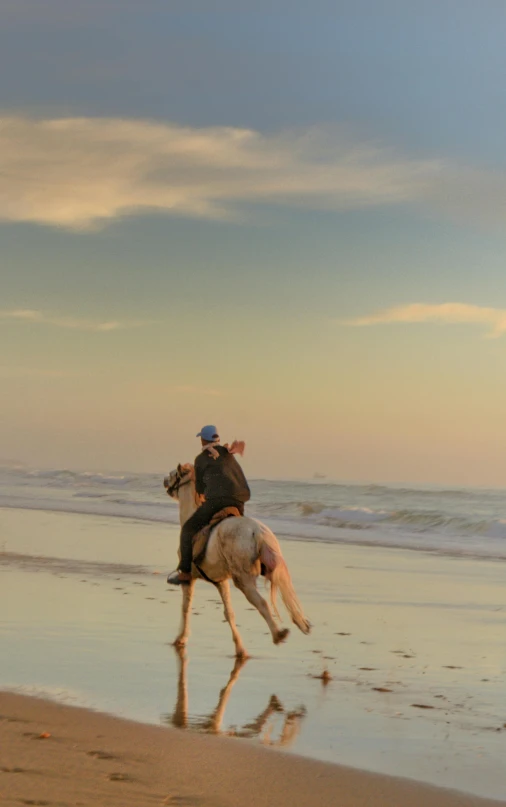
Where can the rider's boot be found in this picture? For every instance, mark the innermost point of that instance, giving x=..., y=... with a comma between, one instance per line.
x=179, y=578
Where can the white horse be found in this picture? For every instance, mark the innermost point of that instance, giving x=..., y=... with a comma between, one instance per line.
x=238, y=548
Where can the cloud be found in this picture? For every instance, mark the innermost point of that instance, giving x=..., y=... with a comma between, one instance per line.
x=80, y=173
x=449, y=313
x=74, y=323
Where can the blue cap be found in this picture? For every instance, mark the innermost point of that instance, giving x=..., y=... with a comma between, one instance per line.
x=209, y=433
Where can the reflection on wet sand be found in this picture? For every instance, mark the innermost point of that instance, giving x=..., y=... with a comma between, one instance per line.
x=262, y=726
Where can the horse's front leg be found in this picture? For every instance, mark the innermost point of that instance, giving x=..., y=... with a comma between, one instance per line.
x=184, y=632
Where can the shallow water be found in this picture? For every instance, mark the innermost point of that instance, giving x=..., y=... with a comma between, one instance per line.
x=86, y=617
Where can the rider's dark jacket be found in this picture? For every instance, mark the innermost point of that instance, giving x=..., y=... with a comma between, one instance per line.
x=220, y=478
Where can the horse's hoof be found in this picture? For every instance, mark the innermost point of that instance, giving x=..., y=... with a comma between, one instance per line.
x=242, y=655
x=281, y=636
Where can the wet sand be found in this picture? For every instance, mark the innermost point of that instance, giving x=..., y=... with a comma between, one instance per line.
x=60, y=755
x=413, y=647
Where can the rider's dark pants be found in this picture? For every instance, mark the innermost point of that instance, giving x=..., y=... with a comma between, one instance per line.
x=199, y=519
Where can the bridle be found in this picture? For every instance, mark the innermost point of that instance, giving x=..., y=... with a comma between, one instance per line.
x=179, y=483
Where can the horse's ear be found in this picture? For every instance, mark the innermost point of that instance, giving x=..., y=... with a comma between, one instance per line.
x=179, y=469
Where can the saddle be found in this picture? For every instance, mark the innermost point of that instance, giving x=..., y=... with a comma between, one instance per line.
x=201, y=539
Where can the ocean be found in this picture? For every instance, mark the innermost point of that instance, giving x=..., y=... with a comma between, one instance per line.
x=452, y=522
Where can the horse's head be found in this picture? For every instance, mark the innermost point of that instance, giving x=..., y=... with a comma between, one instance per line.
x=182, y=475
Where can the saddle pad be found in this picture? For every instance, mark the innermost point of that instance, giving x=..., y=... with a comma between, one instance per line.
x=200, y=540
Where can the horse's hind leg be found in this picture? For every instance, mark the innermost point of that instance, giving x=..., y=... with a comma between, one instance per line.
x=184, y=633
x=224, y=589
x=249, y=589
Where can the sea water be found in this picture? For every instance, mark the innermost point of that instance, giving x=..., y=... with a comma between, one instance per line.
x=453, y=521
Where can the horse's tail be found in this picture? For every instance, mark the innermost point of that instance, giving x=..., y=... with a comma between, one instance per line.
x=276, y=571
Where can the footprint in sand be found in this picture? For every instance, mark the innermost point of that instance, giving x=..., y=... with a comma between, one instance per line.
x=13, y=719
x=101, y=755
x=39, y=802
x=120, y=777
x=325, y=677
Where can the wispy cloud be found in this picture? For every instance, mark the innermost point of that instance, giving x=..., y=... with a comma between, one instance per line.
x=450, y=313
x=74, y=323
x=82, y=172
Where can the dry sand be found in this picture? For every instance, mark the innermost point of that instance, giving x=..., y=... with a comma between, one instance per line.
x=94, y=759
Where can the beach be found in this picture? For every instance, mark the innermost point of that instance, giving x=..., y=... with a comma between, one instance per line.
x=54, y=754
x=403, y=674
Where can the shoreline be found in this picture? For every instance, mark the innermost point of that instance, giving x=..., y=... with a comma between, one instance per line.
x=345, y=541
x=91, y=757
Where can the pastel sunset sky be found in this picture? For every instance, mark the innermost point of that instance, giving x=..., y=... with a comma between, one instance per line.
x=284, y=218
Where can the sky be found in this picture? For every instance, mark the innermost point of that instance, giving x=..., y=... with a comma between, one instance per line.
x=287, y=220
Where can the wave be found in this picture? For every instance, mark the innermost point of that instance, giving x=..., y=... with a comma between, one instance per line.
x=67, y=478
x=64, y=478
x=72, y=478
x=448, y=521
x=416, y=521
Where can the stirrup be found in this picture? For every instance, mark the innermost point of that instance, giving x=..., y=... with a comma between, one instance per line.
x=174, y=579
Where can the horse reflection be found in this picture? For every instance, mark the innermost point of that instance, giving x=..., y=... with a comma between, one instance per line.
x=261, y=727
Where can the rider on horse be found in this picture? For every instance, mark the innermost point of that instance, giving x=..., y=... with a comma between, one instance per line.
x=220, y=479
